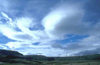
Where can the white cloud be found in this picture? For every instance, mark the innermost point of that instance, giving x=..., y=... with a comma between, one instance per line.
x=3, y=46
x=43, y=50
x=14, y=45
x=28, y=48
x=61, y=20
x=90, y=43
x=6, y=16
x=68, y=20
x=25, y=34
x=11, y=33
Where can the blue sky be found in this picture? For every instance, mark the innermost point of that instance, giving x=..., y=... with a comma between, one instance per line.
x=50, y=27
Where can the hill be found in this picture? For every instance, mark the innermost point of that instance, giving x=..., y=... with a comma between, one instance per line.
x=8, y=57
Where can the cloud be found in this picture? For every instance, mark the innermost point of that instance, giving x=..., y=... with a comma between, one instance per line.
x=23, y=24
x=89, y=52
x=29, y=8
x=61, y=21
x=3, y=46
x=26, y=48
x=10, y=32
x=69, y=20
x=88, y=45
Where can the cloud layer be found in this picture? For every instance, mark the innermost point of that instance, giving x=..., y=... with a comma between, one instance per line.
x=55, y=23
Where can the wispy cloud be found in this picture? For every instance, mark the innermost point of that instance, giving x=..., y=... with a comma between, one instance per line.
x=62, y=20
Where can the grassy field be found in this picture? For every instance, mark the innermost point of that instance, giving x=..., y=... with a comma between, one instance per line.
x=74, y=63
x=24, y=62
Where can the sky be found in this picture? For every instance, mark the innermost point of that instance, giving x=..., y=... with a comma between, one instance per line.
x=50, y=27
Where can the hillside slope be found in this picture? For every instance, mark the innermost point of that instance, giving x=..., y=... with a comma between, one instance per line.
x=8, y=57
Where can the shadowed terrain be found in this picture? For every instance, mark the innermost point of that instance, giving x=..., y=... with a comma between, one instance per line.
x=8, y=57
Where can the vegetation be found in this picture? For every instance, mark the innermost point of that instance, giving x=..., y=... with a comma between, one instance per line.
x=8, y=57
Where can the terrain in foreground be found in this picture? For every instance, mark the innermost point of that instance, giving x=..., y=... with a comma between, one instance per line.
x=8, y=57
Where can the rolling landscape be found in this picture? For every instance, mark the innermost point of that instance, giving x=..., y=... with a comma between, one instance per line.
x=8, y=57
